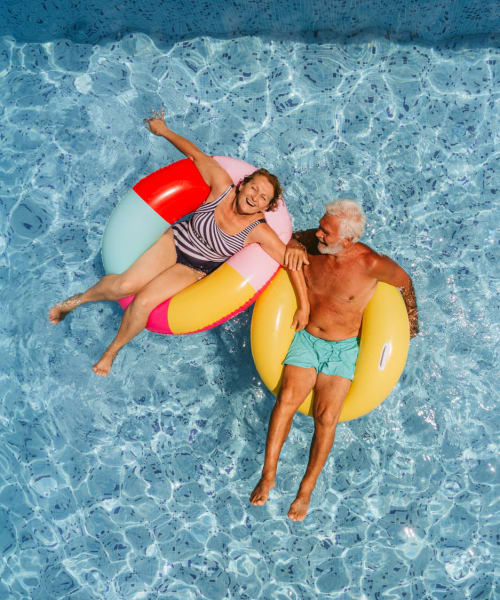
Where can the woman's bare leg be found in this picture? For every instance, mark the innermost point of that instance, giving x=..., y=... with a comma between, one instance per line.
x=135, y=318
x=150, y=264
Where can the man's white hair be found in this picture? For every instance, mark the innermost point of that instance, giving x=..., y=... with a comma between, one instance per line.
x=352, y=218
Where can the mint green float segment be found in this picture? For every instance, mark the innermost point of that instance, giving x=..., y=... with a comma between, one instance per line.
x=132, y=228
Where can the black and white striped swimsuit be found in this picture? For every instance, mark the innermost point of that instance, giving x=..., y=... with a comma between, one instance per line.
x=200, y=242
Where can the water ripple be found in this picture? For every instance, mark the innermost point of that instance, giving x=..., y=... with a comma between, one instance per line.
x=137, y=486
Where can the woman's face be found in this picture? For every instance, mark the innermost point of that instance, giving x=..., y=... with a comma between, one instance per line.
x=255, y=195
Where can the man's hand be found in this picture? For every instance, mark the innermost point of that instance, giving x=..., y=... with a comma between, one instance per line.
x=300, y=319
x=295, y=255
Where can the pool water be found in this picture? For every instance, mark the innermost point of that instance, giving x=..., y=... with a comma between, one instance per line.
x=136, y=486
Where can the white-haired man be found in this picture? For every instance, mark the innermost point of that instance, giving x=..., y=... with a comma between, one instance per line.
x=341, y=278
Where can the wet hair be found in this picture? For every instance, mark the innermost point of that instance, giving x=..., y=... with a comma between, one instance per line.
x=352, y=218
x=273, y=180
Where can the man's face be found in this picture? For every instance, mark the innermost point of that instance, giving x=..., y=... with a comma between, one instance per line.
x=329, y=241
x=255, y=195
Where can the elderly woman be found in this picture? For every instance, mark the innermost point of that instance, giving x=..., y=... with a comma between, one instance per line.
x=229, y=219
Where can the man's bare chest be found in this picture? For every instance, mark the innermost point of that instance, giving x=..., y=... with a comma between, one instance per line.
x=329, y=281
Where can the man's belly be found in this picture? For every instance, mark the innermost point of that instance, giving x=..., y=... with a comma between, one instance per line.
x=334, y=326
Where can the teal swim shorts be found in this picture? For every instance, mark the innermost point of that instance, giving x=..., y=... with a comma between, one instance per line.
x=330, y=358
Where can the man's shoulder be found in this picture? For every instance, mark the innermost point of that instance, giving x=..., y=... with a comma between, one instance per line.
x=308, y=238
x=367, y=261
x=365, y=248
x=365, y=254
x=373, y=262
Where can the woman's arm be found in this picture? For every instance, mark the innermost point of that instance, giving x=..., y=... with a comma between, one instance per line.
x=213, y=174
x=270, y=242
x=301, y=243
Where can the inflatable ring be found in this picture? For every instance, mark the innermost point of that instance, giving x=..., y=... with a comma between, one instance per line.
x=385, y=339
x=146, y=212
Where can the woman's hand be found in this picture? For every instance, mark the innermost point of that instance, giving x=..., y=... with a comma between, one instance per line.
x=156, y=123
x=213, y=174
x=300, y=319
x=295, y=255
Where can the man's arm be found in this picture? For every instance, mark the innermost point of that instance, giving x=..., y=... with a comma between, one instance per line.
x=408, y=293
x=385, y=269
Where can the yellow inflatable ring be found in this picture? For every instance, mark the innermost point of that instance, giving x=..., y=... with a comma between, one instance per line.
x=385, y=339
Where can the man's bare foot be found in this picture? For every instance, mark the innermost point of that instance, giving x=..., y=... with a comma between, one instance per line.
x=103, y=365
x=298, y=508
x=59, y=311
x=261, y=492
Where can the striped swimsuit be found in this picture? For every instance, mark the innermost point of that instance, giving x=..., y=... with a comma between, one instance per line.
x=201, y=244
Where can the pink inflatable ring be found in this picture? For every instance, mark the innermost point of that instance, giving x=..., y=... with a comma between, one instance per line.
x=148, y=210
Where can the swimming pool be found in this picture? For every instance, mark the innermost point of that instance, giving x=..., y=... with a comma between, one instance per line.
x=137, y=486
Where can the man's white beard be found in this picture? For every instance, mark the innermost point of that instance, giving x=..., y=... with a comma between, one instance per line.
x=325, y=249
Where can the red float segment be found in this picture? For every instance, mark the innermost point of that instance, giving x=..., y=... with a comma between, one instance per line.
x=174, y=190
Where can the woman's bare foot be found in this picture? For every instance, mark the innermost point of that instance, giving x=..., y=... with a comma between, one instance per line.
x=299, y=507
x=59, y=311
x=103, y=365
x=261, y=492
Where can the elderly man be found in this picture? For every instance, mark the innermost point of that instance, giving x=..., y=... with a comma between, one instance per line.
x=340, y=280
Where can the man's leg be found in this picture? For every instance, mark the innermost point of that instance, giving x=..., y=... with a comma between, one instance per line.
x=330, y=393
x=297, y=383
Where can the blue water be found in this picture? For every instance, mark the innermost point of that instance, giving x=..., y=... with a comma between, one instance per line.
x=136, y=486
x=95, y=20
